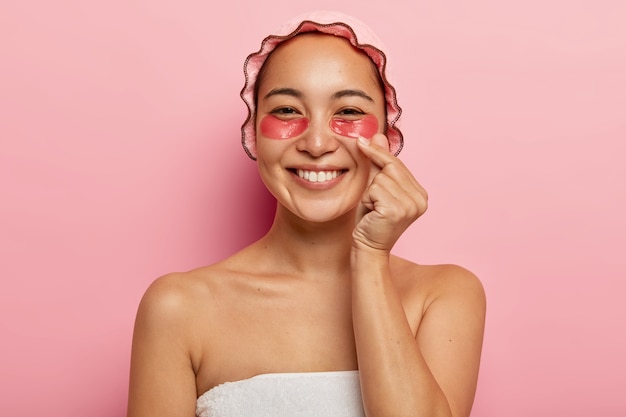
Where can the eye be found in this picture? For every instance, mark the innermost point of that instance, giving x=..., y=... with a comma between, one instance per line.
x=285, y=111
x=350, y=112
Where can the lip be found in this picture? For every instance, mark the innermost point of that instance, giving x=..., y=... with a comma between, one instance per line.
x=317, y=167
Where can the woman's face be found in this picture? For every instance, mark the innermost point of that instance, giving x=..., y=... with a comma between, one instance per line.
x=316, y=95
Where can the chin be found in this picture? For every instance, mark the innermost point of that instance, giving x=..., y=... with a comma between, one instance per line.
x=323, y=214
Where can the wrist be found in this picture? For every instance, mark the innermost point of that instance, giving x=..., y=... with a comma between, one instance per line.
x=366, y=256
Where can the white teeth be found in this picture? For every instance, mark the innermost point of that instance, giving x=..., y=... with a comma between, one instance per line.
x=317, y=176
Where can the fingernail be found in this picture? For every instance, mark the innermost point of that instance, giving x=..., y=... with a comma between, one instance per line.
x=363, y=141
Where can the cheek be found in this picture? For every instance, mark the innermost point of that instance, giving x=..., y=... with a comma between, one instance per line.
x=274, y=128
x=366, y=127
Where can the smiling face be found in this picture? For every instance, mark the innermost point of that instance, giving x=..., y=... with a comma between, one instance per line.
x=315, y=96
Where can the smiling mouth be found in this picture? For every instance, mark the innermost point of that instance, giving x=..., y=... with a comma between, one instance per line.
x=318, y=176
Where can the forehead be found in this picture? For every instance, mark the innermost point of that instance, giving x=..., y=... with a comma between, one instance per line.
x=315, y=39
x=314, y=56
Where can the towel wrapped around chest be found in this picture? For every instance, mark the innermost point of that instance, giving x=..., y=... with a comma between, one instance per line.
x=308, y=394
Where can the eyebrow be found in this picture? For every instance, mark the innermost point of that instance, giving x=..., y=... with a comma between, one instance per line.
x=284, y=91
x=352, y=93
x=339, y=94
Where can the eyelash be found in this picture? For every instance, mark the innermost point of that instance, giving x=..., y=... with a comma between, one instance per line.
x=290, y=111
x=350, y=112
x=285, y=111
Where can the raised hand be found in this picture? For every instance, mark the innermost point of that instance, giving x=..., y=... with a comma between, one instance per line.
x=391, y=202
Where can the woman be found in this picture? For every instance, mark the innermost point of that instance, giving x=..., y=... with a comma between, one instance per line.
x=317, y=318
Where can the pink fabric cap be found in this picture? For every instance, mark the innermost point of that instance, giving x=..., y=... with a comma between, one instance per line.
x=333, y=23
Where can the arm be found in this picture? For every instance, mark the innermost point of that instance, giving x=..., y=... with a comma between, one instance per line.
x=434, y=372
x=162, y=379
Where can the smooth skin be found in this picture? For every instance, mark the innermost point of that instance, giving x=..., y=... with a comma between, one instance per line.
x=321, y=290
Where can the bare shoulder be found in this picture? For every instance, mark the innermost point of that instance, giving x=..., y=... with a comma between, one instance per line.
x=440, y=278
x=450, y=280
x=179, y=297
x=173, y=301
x=427, y=285
x=171, y=294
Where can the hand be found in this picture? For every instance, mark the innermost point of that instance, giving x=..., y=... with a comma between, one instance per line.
x=392, y=200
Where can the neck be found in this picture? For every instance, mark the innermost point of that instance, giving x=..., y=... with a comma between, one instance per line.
x=311, y=249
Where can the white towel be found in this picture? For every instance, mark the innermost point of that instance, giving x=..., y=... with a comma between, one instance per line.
x=308, y=394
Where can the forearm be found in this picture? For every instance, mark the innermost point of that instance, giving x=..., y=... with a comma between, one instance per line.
x=395, y=379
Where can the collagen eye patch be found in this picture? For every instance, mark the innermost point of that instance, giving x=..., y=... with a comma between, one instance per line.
x=365, y=127
x=274, y=128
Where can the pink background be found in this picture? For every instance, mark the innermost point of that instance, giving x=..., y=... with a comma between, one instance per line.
x=120, y=161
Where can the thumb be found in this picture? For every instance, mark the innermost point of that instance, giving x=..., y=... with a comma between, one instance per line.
x=378, y=144
x=381, y=141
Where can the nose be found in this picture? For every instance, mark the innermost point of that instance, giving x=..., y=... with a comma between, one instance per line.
x=318, y=139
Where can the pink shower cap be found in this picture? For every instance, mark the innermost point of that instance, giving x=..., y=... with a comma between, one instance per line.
x=333, y=23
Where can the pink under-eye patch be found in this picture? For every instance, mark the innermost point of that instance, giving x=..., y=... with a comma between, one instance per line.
x=366, y=127
x=275, y=128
